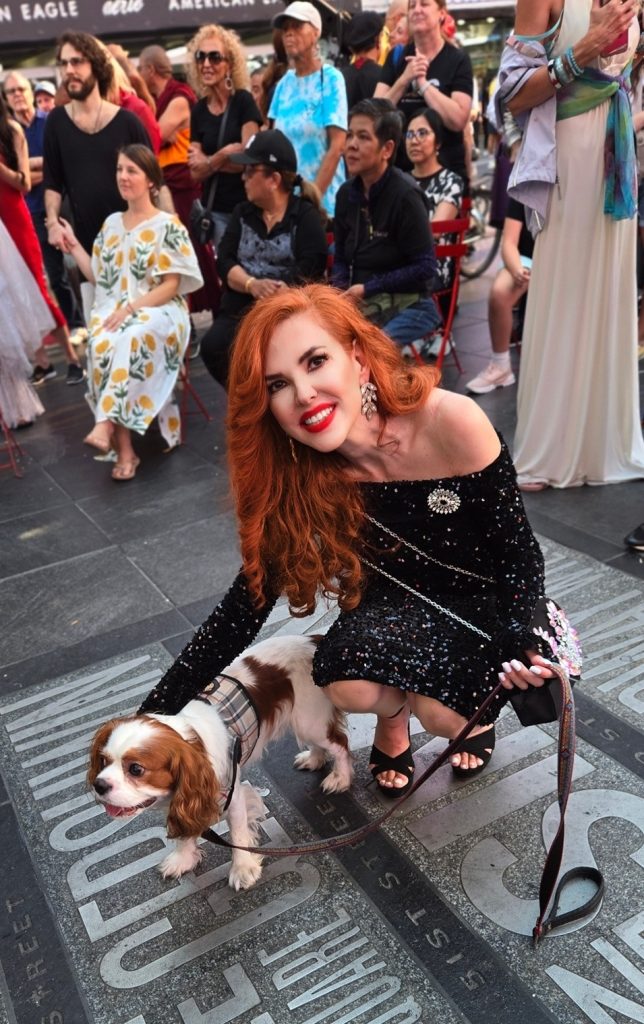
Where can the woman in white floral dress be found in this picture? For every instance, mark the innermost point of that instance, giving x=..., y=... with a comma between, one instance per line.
x=142, y=264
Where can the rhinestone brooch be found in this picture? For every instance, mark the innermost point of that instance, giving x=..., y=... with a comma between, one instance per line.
x=443, y=501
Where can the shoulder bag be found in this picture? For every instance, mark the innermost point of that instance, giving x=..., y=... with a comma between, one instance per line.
x=201, y=221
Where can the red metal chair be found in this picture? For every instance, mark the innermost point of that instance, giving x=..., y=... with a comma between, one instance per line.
x=11, y=447
x=456, y=250
x=188, y=392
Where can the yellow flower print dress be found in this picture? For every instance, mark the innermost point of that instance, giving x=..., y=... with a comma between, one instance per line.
x=132, y=371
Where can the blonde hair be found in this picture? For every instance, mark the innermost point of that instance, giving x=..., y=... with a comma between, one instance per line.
x=233, y=49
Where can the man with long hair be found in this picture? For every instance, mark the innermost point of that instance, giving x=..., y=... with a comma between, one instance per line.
x=82, y=139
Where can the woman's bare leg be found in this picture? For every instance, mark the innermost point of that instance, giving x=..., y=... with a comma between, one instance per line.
x=441, y=721
x=391, y=737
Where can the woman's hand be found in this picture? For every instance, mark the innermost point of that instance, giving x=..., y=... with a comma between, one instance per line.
x=520, y=275
x=67, y=237
x=606, y=23
x=516, y=674
x=117, y=318
x=198, y=162
x=417, y=67
x=262, y=287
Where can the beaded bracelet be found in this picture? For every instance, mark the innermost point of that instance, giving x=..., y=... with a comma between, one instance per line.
x=574, y=66
x=552, y=75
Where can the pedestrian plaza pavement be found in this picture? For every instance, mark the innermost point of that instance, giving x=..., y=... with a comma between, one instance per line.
x=429, y=919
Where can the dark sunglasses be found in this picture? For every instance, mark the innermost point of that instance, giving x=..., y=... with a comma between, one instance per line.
x=73, y=62
x=213, y=56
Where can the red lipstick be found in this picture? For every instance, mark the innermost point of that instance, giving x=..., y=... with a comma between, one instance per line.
x=323, y=423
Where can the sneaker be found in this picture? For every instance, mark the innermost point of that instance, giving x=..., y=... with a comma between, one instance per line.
x=75, y=374
x=430, y=348
x=42, y=373
x=490, y=378
x=635, y=540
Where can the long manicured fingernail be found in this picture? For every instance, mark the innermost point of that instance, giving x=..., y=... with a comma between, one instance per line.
x=501, y=677
x=506, y=666
x=516, y=665
x=537, y=671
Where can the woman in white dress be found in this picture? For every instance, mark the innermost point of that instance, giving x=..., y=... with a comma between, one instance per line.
x=142, y=264
x=578, y=402
x=24, y=320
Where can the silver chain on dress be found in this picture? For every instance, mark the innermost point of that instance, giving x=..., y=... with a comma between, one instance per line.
x=423, y=597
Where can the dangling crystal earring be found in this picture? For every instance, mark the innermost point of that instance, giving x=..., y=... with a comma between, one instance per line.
x=292, y=447
x=369, y=393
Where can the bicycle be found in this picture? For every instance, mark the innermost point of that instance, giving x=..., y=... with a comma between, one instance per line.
x=483, y=241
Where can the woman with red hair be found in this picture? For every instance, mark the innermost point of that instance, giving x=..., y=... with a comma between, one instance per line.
x=356, y=477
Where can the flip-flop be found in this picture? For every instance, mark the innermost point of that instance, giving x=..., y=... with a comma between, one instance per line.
x=126, y=470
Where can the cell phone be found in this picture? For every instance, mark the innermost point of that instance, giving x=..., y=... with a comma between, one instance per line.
x=619, y=44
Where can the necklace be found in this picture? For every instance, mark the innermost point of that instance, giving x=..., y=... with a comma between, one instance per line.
x=90, y=131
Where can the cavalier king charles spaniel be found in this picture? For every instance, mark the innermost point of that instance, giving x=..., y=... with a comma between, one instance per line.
x=188, y=762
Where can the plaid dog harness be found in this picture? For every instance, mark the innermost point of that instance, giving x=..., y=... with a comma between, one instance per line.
x=239, y=715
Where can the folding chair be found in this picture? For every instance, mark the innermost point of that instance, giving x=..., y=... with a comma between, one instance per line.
x=11, y=447
x=187, y=392
x=455, y=250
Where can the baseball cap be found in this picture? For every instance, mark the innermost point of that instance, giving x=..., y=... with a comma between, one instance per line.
x=299, y=10
x=364, y=28
x=270, y=148
x=47, y=87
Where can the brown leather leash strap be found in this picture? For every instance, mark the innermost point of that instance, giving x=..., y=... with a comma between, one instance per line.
x=566, y=755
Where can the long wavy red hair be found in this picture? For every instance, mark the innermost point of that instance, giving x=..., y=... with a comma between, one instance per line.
x=300, y=522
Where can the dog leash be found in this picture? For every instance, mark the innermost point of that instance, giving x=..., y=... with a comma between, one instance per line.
x=565, y=761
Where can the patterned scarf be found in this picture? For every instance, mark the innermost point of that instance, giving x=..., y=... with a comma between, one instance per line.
x=620, y=165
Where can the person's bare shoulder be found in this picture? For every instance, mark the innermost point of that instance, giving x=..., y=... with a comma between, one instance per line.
x=462, y=431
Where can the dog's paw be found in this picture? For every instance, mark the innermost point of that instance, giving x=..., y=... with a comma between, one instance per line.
x=179, y=862
x=245, y=872
x=336, y=781
x=310, y=760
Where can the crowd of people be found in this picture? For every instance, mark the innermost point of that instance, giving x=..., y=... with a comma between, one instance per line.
x=137, y=194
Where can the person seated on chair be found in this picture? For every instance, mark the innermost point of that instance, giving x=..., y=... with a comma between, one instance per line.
x=444, y=189
x=142, y=264
x=384, y=253
x=275, y=239
x=509, y=287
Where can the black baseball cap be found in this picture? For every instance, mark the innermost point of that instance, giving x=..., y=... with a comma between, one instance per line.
x=364, y=28
x=270, y=148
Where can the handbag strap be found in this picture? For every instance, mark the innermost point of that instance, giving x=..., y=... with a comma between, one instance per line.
x=220, y=141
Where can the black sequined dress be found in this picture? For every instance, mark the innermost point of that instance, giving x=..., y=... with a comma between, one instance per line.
x=476, y=522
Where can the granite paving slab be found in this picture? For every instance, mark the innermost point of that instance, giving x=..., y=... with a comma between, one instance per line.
x=427, y=920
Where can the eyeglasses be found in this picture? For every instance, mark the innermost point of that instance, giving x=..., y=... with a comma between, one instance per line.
x=213, y=56
x=418, y=133
x=16, y=88
x=72, y=62
x=250, y=169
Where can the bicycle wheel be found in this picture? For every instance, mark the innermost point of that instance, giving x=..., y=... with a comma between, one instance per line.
x=483, y=240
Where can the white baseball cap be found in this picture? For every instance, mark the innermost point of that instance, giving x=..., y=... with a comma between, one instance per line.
x=47, y=87
x=299, y=10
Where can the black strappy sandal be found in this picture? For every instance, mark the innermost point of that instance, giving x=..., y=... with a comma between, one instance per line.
x=481, y=745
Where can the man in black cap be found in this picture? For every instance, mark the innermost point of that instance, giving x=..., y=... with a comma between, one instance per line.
x=362, y=75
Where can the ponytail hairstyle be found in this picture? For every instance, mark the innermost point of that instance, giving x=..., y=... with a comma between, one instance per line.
x=301, y=522
x=308, y=190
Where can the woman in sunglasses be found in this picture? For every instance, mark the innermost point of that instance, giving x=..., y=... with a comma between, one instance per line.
x=222, y=121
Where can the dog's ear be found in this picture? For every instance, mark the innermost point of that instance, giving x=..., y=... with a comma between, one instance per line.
x=101, y=736
x=194, y=805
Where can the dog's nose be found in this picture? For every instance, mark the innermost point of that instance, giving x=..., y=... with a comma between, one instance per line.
x=102, y=787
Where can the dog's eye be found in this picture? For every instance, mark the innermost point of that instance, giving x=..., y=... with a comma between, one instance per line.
x=102, y=762
x=136, y=769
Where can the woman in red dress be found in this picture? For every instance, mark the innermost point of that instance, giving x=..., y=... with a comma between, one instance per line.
x=15, y=180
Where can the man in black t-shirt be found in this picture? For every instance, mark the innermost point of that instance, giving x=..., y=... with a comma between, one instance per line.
x=384, y=253
x=82, y=140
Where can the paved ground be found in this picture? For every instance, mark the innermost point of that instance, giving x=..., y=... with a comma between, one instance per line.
x=100, y=585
